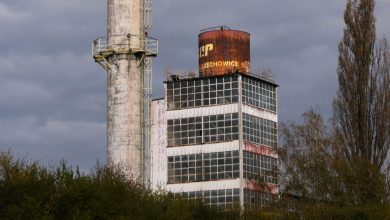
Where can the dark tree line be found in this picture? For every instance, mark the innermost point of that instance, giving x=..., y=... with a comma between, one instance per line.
x=31, y=191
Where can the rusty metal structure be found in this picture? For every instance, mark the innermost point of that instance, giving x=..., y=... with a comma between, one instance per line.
x=223, y=51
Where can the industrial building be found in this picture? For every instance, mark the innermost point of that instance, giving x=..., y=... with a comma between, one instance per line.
x=214, y=133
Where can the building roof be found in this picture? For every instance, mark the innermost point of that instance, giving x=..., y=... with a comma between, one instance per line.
x=171, y=77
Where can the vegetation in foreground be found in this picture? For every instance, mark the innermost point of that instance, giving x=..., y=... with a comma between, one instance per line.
x=31, y=191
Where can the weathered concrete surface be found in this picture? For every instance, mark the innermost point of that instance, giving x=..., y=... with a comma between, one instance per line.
x=124, y=17
x=159, y=142
x=124, y=91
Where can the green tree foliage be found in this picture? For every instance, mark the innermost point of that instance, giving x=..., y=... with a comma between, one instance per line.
x=30, y=191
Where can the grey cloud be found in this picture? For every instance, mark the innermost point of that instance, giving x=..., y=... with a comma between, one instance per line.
x=54, y=140
x=52, y=94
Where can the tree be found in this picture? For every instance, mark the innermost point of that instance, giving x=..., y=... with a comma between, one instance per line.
x=310, y=169
x=343, y=163
x=362, y=106
x=31, y=191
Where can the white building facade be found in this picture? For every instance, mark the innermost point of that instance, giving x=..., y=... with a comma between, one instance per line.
x=215, y=138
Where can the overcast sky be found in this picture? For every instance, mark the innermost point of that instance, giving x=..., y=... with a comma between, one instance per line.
x=52, y=94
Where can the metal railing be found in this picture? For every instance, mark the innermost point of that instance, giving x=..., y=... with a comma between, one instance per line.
x=222, y=27
x=124, y=43
x=151, y=46
x=174, y=76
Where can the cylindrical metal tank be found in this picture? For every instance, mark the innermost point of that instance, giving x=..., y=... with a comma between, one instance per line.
x=224, y=51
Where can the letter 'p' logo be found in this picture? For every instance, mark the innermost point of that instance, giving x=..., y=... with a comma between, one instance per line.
x=205, y=49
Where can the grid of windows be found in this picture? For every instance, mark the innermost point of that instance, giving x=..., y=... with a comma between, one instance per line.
x=260, y=168
x=202, y=92
x=218, y=128
x=184, y=131
x=185, y=168
x=259, y=130
x=223, y=198
x=255, y=199
x=206, y=129
x=259, y=94
x=203, y=167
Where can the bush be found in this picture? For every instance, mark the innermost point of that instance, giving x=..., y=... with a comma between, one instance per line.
x=30, y=191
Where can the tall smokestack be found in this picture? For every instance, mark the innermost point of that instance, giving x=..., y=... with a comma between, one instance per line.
x=124, y=90
x=125, y=53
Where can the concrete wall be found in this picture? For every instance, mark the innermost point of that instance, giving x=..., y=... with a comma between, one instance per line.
x=204, y=148
x=159, y=145
x=203, y=186
x=203, y=111
x=124, y=17
x=124, y=91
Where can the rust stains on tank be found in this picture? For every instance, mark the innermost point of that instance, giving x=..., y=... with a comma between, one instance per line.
x=224, y=51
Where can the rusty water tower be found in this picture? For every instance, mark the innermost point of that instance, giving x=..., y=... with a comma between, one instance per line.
x=223, y=51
